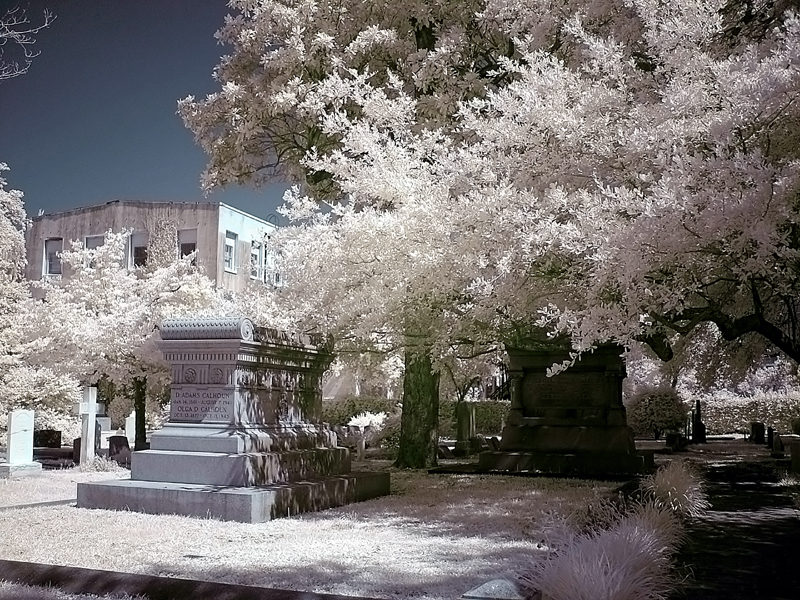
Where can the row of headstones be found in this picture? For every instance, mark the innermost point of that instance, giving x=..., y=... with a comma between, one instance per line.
x=779, y=444
x=20, y=437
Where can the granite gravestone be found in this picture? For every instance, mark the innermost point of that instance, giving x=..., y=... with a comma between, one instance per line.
x=244, y=440
x=571, y=423
x=465, y=428
x=19, y=446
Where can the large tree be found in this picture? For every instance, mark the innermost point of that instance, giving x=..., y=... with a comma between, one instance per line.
x=620, y=172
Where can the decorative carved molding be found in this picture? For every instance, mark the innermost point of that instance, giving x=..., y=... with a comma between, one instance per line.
x=196, y=329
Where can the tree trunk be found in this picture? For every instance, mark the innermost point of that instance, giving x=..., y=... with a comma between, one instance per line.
x=419, y=423
x=139, y=389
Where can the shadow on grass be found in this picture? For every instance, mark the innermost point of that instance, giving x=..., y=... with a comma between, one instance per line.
x=746, y=545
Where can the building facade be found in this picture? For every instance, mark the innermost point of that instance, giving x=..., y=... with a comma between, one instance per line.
x=229, y=244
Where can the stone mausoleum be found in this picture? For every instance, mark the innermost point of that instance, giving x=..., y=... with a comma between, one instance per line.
x=244, y=441
x=570, y=423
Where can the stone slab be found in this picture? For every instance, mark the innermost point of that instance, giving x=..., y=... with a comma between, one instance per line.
x=9, y=471
x=241, y=504
x=500, y=589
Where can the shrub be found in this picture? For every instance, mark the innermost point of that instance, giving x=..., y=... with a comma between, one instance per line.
x=367, y=419
x=340, y=412
x=489, y=416
x=389, y=435
x=676, y=488
x=655, y=411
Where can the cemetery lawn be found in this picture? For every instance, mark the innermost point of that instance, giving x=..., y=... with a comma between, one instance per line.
x=434, y=537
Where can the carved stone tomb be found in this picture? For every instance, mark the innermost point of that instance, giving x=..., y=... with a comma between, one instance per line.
x=570, y=423
x=244, y=441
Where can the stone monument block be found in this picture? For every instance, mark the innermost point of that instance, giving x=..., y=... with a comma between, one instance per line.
x=244, y=430
x=19, y=445
x=571, y=423
x=465, y=428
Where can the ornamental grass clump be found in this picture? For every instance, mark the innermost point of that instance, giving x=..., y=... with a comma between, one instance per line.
x=675, y=488
x=630, y=561
x=101, y=463
x=623, y=553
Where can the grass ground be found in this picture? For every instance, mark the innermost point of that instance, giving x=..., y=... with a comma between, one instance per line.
x=434, y=537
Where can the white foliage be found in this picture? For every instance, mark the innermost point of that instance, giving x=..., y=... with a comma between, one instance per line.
x=635, y=181
x=101, y=317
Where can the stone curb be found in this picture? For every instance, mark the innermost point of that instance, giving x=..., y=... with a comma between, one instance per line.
x=38, y=504
x=77, y=580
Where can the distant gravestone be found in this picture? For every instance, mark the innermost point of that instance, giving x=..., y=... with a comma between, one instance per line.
x=770, y=436
x=757, y=433
x=89, y=434
x=698, y=427
x=130, y=428
x=19, y=446
x=47, y=438
x=465, y=428
x=777, y=447
x=443, y=451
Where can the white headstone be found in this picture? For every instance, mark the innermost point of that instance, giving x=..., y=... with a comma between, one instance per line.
x=20, y=437
x=130, y=428
x=105, y=423
x=88, y=425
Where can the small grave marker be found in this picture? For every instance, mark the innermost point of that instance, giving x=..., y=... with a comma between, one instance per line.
x=88, y=412
x=130, y=428
x=19, y=453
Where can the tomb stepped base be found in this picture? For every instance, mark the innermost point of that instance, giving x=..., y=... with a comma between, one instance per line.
x=594, y=464
x=217, y=468
x=233, y=503
x=205, y=437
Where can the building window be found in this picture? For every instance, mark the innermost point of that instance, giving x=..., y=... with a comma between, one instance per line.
x=187, y=243
x=256, y=267
x=90, y=242
x=139, y=249
x=229, y=256
x=52, y=256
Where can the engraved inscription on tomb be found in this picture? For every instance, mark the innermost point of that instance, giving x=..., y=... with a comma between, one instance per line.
x=195, y=404
x=566, y=389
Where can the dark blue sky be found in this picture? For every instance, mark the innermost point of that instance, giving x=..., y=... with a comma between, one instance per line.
x=94, y=118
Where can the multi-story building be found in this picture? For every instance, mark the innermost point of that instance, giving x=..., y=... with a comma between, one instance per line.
x=229, y=243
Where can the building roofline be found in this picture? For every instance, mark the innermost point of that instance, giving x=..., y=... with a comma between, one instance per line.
x=90, y=207
x=247, y=214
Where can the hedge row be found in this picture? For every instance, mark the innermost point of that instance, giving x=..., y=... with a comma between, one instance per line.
x=729, y=414
x=489, y=415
